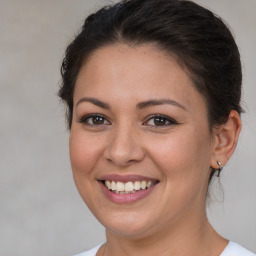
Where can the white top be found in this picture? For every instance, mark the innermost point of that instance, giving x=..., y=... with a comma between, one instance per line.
x=232, y=249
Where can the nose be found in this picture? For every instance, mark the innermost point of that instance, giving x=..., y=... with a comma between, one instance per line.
x=124, y=147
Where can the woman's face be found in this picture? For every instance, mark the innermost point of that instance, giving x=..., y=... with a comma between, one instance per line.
x=139, y=127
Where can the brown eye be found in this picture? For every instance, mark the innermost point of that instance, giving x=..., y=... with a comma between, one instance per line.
x=159, y=120
x=97, y=120
x=94, y=119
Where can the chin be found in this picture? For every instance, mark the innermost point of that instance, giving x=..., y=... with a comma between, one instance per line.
x=130, y=225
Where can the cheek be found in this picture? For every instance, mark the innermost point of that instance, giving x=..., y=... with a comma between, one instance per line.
x=183, y=160
x=84, y=152
x=183, y=154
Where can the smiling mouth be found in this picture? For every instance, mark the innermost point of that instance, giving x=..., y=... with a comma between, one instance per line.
x=129, y=187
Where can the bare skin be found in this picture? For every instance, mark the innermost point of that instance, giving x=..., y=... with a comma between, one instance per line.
x=136, y=112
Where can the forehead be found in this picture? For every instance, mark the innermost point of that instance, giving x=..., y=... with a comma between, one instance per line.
x=136, y=72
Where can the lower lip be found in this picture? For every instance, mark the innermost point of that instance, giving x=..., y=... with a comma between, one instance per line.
x=126, y=198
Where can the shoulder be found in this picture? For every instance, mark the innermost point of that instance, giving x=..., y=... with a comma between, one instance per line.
x=91, y=252
x=234, y=249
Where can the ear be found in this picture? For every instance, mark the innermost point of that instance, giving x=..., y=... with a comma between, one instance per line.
x=225, y=139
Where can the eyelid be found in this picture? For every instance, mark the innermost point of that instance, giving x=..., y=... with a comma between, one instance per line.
x=84, y=119
x=169, y=119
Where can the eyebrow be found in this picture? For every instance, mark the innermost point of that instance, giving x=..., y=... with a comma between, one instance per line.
x=156, y=102
x=141, y=105
x=94, y=101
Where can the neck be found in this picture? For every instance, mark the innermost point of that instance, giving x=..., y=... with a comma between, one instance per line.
x=193, y=237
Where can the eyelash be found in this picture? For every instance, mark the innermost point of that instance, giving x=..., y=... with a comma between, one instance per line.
x=85, y=119
x=161, y=118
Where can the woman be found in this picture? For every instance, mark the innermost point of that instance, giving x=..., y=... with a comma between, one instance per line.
x=153, y=93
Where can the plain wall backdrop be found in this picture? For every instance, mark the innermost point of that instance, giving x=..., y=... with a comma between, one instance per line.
x=41, y=212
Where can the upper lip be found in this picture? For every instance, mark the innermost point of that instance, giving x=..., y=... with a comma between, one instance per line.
x=126, y=178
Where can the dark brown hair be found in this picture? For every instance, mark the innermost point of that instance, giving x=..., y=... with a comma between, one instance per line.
x=199, y=40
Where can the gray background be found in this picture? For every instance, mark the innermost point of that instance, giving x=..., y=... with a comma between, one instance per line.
x=41, y=212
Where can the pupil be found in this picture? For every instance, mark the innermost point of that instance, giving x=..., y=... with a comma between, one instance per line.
x=159, y=121
x=98, y=120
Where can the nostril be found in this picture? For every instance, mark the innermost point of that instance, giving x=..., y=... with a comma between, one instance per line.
x=124, y=156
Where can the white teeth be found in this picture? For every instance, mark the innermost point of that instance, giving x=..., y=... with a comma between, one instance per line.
x=143, y=184
x=120, y=186
x=128, y=187
x=150, y=184
x=137, y=185
x=108, y=184
x=113, y=185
